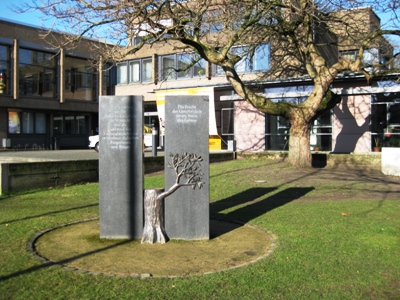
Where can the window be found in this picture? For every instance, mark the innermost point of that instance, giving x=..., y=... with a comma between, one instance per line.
x=212, y=22
x=260, y=59
x=253, y=60
x=243, y=65
x=151, y=119
x=108, y=79
x=40, y=123
x=135, y=71
x=136, y=40
x=122, y=73
x=213, y=27
x=58, y=125
x=26, y=122
x=147, y=69
x=227, y=124
x=370, y=57
x=182, y=65
x=321, y=132
x=80, y=125
x=80, y=79
x=277, y=133
x=37, y=72
x=151, y=114
x=69, y=124
x=277, y=129
x=4, y=70
x=167, y=67
x=140, y=70
x=385, y=120
x=349, y=55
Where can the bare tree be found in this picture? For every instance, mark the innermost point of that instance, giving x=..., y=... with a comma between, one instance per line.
x=301, y=35
x=188, y=172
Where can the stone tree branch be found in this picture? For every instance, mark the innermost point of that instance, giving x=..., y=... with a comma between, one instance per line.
x=187, y=168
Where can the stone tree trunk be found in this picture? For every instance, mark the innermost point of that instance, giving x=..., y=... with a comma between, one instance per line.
x=186, y=166
x=153, y=231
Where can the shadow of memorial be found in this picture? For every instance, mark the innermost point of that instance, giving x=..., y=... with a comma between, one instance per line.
x=254, y=207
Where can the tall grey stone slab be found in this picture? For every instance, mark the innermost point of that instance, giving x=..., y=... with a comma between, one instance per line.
x=121, y=167
x=187, y=214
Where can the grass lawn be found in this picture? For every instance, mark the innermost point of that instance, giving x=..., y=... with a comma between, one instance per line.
x=337, y=231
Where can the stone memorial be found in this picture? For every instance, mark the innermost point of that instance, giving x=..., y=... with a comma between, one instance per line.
x=188, y=173
x=121, y=167
x=186, y=210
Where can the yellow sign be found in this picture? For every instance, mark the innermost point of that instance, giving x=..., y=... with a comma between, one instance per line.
x=214, y=143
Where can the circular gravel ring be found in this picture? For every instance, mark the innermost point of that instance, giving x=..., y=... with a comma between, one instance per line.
x=76, y=246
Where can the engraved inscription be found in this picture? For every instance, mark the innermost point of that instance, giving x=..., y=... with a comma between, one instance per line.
x=119, y=134
x=187, y=113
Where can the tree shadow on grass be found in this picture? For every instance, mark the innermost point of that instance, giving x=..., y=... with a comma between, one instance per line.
x=48, y=213
x=254, y=207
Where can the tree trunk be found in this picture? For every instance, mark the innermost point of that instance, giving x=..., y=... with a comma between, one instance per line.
x=299, y=145
x=153, y=231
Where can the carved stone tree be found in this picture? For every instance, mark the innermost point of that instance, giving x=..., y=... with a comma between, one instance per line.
x=188, y=172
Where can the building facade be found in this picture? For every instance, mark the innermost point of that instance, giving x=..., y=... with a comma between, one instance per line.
x=368, y=116
x=48, y=96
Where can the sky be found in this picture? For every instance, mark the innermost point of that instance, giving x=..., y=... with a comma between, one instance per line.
x=31, y=18
x=35, y=18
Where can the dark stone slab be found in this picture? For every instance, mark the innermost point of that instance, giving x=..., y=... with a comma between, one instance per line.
x=186, y=123
x=121, y=167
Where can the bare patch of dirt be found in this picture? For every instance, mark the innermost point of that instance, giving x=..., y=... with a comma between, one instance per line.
x=78, y=246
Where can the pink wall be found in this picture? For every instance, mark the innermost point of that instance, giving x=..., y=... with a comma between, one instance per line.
x=351, y=120
x=249, y=127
